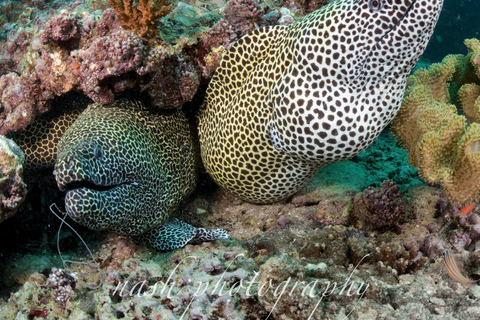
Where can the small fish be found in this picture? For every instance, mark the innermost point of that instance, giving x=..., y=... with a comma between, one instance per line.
x=452, y=268
x=467, y=209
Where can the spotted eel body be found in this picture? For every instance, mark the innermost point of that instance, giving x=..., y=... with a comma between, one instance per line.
x=126, y=168
x=288, y=100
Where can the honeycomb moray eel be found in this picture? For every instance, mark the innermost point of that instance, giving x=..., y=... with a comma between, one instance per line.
x=288, y=100
x=126, y=168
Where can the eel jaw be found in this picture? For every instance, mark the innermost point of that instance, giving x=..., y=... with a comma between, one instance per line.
x=84, y=184
x=71, y=174
x=88, y=197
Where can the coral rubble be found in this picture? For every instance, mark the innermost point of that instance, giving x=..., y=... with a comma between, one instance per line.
x=439, y=124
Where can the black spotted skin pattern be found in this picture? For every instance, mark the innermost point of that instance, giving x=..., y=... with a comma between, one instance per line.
x=39, y=140
x=288, y=100
x=126, y=168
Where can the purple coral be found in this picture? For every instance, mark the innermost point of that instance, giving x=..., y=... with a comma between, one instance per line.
x=63, y=285
x=105, y=61
x=459, y=241
x=379, y=209
x=242, y=14
x=61, y=28
x=434, y=246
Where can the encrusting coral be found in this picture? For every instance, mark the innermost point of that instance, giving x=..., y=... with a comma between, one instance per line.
x=12, y=188
x=378, y=209
x=444, y=141
x=141, y=18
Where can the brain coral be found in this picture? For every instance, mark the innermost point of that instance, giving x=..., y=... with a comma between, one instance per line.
x=439, y=123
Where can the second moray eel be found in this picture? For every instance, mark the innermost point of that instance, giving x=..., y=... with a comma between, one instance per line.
x=288, y=100
x=126, y=168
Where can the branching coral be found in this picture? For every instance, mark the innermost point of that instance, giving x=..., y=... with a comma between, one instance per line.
x=443, y=142
x=399, y=258
x=142, y=17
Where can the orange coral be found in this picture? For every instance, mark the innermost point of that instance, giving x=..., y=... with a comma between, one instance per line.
x=141, y=17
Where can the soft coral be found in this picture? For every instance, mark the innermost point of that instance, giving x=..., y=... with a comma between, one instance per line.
x=141, y=18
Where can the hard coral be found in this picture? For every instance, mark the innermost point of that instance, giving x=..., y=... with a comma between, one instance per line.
x=63, y=285
x=397, y=257
x=61, y=28
x=141, y=18
x=105, y=61
x=12, y=187
x=444, y=144
x=379, y=209
x=20, y=99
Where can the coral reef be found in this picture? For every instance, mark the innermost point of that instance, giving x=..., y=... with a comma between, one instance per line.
x=350, y=244
x=75, y=46
x=91, y=55
x=141, y=18
x=63, y=285
x=285, y=245
x=61, y=28
x=378, y=209
x=202, y=283
x=444, y=141
x=12, y=188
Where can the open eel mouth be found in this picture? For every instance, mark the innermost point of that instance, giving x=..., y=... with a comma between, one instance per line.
x=89, y=199
x=84, y=184
x=72, y=175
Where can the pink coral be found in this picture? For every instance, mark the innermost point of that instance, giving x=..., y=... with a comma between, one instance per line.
x=379, y=209
x=12, y=188
x=459, y=241
x=61, y=28
x=105, y=60
x=243, y=15
x=21, y=99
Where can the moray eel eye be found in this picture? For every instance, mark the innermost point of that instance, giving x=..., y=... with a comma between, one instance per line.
x=375, y=5
x=97, y=153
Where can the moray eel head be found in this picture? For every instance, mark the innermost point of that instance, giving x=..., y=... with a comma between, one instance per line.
x=125, y=168
x=77, y=174
x=287, y=101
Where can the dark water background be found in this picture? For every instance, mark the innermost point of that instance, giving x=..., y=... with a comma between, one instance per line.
x=459, y=20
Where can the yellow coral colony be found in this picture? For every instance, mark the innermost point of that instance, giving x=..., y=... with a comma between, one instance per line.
x=443, y=141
